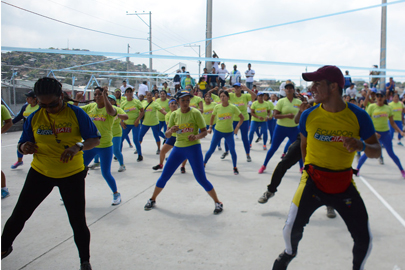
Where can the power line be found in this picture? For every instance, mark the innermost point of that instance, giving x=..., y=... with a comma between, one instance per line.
x=77, y=26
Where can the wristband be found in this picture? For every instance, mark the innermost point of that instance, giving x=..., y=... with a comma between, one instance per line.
x=364, y=146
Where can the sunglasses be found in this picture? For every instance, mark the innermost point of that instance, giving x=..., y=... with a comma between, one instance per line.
x=50, y=106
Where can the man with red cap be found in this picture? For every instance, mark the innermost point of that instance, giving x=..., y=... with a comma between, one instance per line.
x=330, y=137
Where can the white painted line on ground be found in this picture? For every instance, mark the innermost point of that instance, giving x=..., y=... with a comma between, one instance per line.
x=384, y=202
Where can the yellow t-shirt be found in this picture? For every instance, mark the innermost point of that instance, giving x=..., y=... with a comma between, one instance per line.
x=380, y=116
x=5, y=115
x=151, y=118
x=189, y=123
x=167, y=119
x=29, y=109
x=195, y=102
x=131, y=108
x=207, y=112
x=284, y=106
x=120, y=101
x=117, y=130
x=225, y=116
x=103, y=121
x=71, y=124
x=260, y=110
x=215, y=98
x=271, y=107
x=165, y=106
x=242, y=104
x=397, y=110
x=203, y=85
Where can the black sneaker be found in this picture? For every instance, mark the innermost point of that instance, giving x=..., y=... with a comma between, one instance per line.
x=258, y=140
x=218, y=208
x=85, y=266
x=149, y=205
x=282, y=261
x=248, y=159
x=183, y=169
x=157, y=167
x=140, y=158
x=6, y=253
x=224, y=155
x=235, y=171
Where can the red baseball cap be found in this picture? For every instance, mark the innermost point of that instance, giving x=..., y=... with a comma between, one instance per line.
x=330, y=73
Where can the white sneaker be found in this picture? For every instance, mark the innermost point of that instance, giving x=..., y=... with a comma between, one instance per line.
x=122, y=168
x=116, y=199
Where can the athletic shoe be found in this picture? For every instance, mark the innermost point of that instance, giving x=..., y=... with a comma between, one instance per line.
x=85, y=266
x=399, y=143
x=16, y=165
x=219, y=148
x=122, y=168
x=131, y=146
x=262, y=168
x=149, y=205
x=157, y=167
x=250, y=146
x=140, y=158
x=301, y=170
x=264, y=148
x=381, y=160
x=236, y=137
x=183, y=169
x=330, y=212
x=95, y=165
x=4, y=193
x=158, y=152
x=283, y=155
x=224, y=155
x=358, y=173
x=235, y=171
x=265, y=197
x=248, y=159
x=218, y=208
x=258, y=140
x=6, y=253
x=282, y=261
x=403, y=174
x=136, y=152
x=116, y=199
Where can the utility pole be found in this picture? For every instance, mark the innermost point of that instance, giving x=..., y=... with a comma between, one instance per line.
x=128, y=61
x=199, y=55
x=150, y=37
x=383, y=46
x=208, y=35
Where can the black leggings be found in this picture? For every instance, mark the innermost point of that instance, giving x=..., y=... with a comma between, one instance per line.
x=36, y=188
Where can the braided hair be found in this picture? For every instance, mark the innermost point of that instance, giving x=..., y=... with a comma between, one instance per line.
x=48, y=86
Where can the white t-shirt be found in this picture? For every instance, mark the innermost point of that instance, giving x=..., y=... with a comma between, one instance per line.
x=249, y=110
x=249, y=73
x=274, y=102
x=123, y=88
x=221, y=73
x=235, y=75
x=143, y=88
x=215, y=65
x=351, y=92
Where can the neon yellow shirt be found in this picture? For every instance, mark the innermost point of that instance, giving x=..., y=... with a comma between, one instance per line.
x=380, y=116
x=195, y=102
x=116, y=129
x=271, y=107
x=189, y=123
x=215, y=98
x=151, y=118
x=132, y=109
x=225, y=116
x=203, y=85
x=397, y=109
x=167, y=119
x=165, y=106
x=29, y=109
x=260, y=110
x=242, y=104
x=120, y=101
x=207, y=112
x=5, y=115
x=284, y=106
x=103, y=122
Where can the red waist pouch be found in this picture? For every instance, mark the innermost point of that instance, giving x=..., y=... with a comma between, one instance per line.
x=330, y=181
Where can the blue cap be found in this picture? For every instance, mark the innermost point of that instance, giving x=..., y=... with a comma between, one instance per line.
x=112, y=97
x=374, y=90
x=380, y=92
x=236, y=84
x=260, y=94
x=184, y=94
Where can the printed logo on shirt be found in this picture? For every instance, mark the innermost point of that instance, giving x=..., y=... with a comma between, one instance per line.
x=325, y=135
x=239, y=104
x=224, y=116
x=98, y=117
x=59, y=128
x=208, y=111
x=397, y=110
x=260, y=110
x=149, y=110
x=186, y=127
x=381, y=114
x=296, y=105
x=130, y=109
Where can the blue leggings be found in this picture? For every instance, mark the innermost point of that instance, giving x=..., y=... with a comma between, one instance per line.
x=280, y=133
x=144, y=129
x=385, y=140
x=127, y=139
x=271, y=125
x=105, y=163
x=135, y=137
x=213, y=127
x=117, y=143
x=162, y=124
x=19, y=155
x=229, y=141
x=254, y=127
x=177, y=156
x=392, y=130
x=244, y=131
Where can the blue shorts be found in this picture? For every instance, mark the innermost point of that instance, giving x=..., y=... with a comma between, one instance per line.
x=171, y=141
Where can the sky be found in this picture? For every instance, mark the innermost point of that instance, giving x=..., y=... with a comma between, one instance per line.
x=351, y=39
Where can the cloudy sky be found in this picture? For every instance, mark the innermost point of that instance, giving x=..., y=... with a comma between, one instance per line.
x=351, y=39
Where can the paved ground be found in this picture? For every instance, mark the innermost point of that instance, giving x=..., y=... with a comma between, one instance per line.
x=182, y=232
